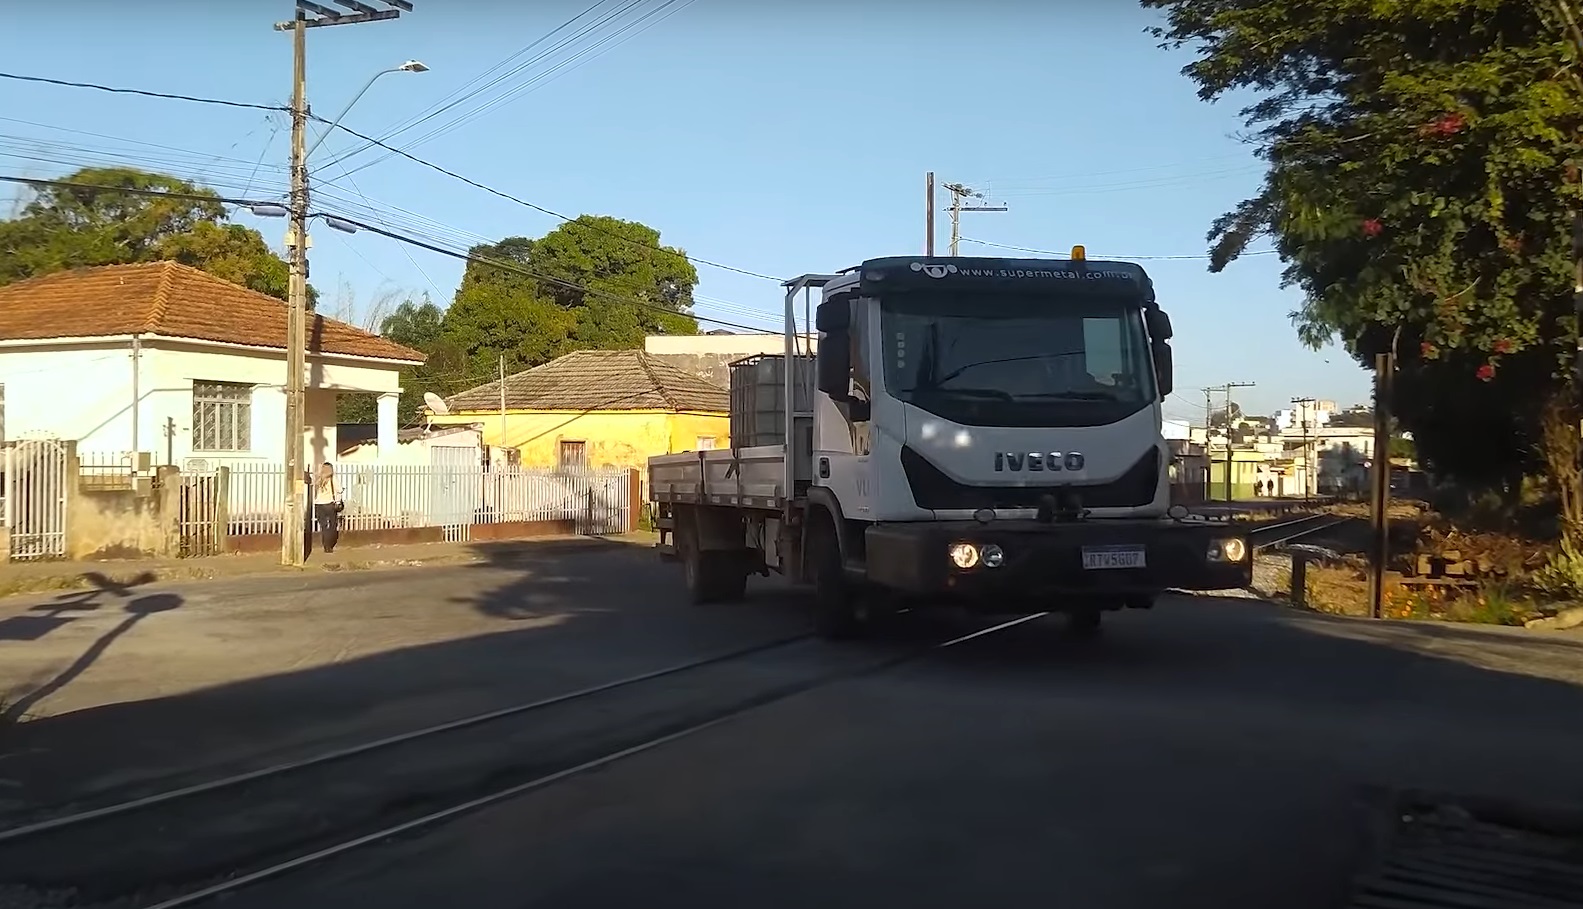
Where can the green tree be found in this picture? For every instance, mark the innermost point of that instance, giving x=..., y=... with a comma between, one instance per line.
x=1417, y=153
x=501, y=312
x=417, y=324
x=593, y=283
x=72, y=227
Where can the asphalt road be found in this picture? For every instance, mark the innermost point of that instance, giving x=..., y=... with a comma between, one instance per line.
x=181, y=680
x=1210, y=753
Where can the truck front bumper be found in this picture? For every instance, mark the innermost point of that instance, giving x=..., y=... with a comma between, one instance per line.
x=1106, y=559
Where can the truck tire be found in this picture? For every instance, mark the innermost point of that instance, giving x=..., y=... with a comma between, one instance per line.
x=835, y=607
x=727, y=576
x=712, y=576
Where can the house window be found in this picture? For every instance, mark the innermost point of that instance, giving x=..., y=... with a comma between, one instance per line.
x=222, y=416
x=574, y=454
x=705, y=443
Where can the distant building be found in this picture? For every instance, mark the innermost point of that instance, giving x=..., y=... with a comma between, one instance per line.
x=596, y=408
x=709, y=356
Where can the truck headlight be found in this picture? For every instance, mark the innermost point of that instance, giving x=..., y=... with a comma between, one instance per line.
x=992, y=555
x=1234, y=549
x=963, y=555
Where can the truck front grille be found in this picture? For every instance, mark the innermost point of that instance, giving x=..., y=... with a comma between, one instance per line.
x=933, y=489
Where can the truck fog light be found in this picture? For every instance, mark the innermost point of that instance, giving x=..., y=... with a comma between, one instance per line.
x=992, y=555
x=1232, y=550
x=963, y=555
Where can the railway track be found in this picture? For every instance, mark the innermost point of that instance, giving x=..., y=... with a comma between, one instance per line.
x=188, y=845
x=1271, y=536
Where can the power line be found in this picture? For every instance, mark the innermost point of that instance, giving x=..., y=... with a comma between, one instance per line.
x=1050, y=252
x=94, y=187
x=548, y=211
x=408, y=155
x=513, y=267
x=446, y=103
x=145, y=93
x=620, y=36
x=393, y=235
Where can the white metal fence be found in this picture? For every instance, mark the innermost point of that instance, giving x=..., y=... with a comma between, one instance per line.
x=34, y=490
x=248, y=498
x=382, y=497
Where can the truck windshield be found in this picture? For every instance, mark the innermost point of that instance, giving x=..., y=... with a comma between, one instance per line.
x=1017, y=360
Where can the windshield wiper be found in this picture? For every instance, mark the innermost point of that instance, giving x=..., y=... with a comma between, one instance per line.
x=965, y=367
x=1073, y=395
x=971, y=392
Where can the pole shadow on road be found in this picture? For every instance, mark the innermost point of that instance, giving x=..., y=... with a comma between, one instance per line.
x=58, y=612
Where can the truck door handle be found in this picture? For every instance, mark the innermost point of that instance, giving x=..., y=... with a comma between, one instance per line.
x=824, y=468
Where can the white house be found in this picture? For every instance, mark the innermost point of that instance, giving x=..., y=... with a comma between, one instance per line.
x=167, y=359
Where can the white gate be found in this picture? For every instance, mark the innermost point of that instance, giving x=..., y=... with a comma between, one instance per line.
x=605, y=506
x=35, y=498
x=456, y=490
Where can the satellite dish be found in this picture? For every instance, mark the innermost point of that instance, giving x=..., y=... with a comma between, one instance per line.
x=435, y=403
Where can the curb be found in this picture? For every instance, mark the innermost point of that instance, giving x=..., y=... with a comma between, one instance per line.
x=133, y=574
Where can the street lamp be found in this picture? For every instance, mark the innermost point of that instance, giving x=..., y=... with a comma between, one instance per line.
x=411, y=66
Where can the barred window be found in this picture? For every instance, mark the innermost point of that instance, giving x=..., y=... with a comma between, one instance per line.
x=222, y=416
x=574, y=453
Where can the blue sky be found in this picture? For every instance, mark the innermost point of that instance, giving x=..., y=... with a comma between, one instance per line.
x=779, y=138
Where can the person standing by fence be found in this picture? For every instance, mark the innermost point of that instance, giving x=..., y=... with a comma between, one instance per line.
x=327, y=505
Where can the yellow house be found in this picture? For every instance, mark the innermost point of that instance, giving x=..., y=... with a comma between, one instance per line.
x=596, y=408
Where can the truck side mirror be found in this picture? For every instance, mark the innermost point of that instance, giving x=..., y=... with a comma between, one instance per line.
x=1158, y=323
x=833, y=364
x=834, y=314
x=1163, y=367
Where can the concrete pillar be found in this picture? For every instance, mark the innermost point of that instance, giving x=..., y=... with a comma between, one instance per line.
x=386, y=434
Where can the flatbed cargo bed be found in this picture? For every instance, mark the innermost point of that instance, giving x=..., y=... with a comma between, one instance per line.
x=740, y=477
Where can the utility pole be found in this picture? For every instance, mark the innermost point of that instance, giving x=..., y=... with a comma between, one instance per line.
x=1305, y=410
x=928, y=214
x=1226, y=388
x=1379, y=554
x=502, y=400
x=296, y=478
x=958, y=193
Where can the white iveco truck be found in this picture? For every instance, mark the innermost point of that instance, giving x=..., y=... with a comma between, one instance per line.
x=971, y=431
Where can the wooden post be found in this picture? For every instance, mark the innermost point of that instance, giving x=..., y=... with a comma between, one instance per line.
x=634, y=498
x=222, y=509
x=71, y=495
x=168, y=489
x=1299, y=579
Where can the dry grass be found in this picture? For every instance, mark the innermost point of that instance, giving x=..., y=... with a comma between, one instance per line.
x=1343, y=589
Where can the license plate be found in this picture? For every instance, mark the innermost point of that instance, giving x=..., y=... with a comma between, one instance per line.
x=1099, y=557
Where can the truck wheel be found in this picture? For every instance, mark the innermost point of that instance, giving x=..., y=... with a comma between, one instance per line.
x=835, y=614
x=726, y=576
x=1084, y=623
x=713, y=576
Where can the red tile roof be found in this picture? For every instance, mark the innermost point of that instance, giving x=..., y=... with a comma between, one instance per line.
x=599, y=380
x=173, y=300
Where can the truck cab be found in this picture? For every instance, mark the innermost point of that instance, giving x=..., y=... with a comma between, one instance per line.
x=978, y=431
